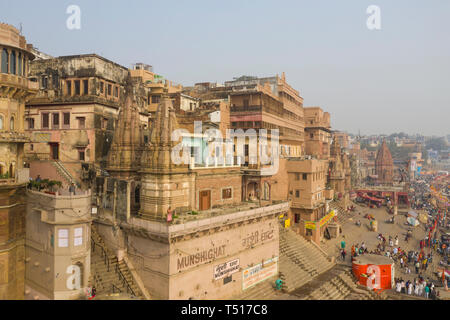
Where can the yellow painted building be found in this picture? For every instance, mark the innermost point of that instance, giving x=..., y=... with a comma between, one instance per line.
x=15, y=90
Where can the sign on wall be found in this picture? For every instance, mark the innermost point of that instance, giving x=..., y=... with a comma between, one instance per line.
x=327, y=218
x=41, y=137
x=310, y=225
x=225, y=269
x=256, y=274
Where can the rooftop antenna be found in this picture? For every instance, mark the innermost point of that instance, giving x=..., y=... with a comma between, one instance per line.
x=20, y=28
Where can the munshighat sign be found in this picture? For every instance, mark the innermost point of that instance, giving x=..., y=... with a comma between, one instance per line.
x=200, y=257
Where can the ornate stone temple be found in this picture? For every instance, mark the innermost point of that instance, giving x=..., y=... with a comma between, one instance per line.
x=339, y=175
x=128, y=143
x=336, y=170
x=164, y=184
x=384, y=165
x=15, y=90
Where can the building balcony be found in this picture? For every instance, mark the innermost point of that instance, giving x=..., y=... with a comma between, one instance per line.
x=246, y=109
x=307, y=204
x=13, y=80
x=13, y=137
x=213, y=162
x=21, y=177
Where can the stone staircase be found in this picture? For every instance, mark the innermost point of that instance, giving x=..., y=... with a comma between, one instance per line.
x=109, y=275
x=343, y=287
x=264, y=291
x=64, y=173
x=300, y=261
x=343, y=215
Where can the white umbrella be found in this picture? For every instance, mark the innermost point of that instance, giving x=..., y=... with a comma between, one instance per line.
x=412, y=221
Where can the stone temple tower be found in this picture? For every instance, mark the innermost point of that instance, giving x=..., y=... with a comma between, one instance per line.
x=384, y=165
x=124, y=156
x=164, y=183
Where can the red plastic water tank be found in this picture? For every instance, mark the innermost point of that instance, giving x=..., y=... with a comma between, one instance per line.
x=374, y=271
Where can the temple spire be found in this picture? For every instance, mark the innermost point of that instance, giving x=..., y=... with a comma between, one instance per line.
x=126, y=148
x=157, y=155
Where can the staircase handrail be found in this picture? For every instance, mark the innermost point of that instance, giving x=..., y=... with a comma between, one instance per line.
x=104, y=252
x=66, y=172
x=116, y=287
x=124, y=280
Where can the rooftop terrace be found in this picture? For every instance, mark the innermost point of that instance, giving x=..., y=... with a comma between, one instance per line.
x=203, y=220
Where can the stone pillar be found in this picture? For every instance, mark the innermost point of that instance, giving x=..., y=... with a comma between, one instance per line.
x=129, y=199
x=114, y=202
x=316, y=234
x=395, y=209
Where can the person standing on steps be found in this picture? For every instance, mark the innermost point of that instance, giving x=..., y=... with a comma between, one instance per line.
x=343, y=254
x=169, y=215
x=343, y=242
x=72, y=189
x=427, y=291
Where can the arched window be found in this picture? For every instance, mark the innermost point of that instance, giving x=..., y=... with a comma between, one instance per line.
x=11, y=124
x=4, y=61
x=1, y=122
x=12, y=61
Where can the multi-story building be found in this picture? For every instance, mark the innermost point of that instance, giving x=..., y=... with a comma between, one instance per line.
x=317, y=132
x=308, y=194
x=72, y=119
x=343, y=139
x=157, y=85
x=269, y=103
x=58, y=246
x=213, y=229
x=15, y=90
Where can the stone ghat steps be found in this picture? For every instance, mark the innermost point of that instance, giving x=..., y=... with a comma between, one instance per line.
x=343, y=215
x=362, y=292
x=292, y=275
x=262, y=291
x=314, y=259
x=342, y=287
x=300, y=261
x=105, y=280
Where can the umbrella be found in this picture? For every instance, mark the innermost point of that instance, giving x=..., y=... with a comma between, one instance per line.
x=412, y=221
x=447, y=274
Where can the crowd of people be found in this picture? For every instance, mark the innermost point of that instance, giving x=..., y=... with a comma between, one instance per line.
x=418, y=287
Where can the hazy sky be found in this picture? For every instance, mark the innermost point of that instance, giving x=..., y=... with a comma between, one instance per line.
x=381, y=81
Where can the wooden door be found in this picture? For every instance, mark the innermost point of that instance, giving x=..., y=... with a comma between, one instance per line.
x=205, y=200
x=55, y=151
